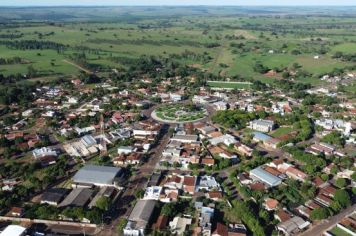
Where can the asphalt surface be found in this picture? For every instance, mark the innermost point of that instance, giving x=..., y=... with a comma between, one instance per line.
x=137, y=181
x=320, y=228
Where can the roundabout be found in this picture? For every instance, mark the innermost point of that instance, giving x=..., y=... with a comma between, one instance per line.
x=179, y=113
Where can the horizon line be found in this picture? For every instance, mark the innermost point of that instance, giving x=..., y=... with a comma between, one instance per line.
x=183, y=5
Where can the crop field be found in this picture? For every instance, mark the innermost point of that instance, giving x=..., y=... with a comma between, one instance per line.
x=224, y=43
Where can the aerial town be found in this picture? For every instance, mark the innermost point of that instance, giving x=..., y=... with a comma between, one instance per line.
x=162, y=148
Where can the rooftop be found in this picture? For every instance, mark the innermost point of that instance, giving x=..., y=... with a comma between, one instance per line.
x=97, y=175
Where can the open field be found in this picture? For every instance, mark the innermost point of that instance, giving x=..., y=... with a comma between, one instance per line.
x=229, y=44
x=229, y=85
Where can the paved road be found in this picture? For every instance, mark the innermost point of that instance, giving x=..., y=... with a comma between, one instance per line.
x=319, y=229
x=136, y=182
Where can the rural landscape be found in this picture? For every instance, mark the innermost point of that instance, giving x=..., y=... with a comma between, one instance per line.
x=178, y=120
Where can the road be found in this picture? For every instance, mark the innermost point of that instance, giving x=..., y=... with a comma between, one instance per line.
x=323, y=226
x=137, y=181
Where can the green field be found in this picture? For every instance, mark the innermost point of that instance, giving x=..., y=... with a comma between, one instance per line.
x=281, y=131
x=213, y=39
x=229, y=85
x=339, y=232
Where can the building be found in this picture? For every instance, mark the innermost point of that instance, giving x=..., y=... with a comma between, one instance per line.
x=101, y=176
x=207, y=183
x=43, y=152
x=265, y=177
x=179, y=224
x=14, y=230
x=53, y=196
x=262, y=125
x=185, y=138
x=79, y=197
x=226, y=139
x=139, y=218
x=293, y=225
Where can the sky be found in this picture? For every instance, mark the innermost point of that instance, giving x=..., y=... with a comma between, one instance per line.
x=175, y=2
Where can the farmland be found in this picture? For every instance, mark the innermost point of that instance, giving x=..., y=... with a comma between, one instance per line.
x=228, y=45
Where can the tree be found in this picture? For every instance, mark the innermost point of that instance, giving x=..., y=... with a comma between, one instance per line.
x=319, y=214
x=121, y=225
x=169, y=210
x=341, y=182
x=31, y=72
x=342, y=197
x=103, y=203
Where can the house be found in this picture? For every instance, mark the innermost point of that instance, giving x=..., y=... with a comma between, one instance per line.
x=189, y=184
x=101, y=176
x=152, y=193
x=185, y=138
x=214, y=195
x=53, y=196
x=243, y=149
x=125, y=150
x=237, y=230
x=207, y=161
x=179, y=225
x=260, y=174
x=293, y=225
x=221, y=230
x=16, y=212
x=220, y=105
x=218, y=151
x=296, y=174
x=270, y=204
x=323, y=200
x=324, y=148
x=161, y=223
x=207, y=183
x=205, y=220
x=282, y=215
x=139, y=218
x=262, y=125
x=226, y=139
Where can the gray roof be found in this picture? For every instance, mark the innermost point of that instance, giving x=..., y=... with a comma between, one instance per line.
x=265, y=176
x=261, y=136
x=78, y=197
x=54, y=195
x=142, y=211
x=96, y=175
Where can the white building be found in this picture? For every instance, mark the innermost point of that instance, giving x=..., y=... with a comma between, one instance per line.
x=262, y=125
x=227, y=139
x=43, y=152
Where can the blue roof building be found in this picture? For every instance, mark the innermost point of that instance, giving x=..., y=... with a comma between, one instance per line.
x=265, y=177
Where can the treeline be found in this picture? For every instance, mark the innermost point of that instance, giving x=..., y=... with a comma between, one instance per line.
x=12, y=61
x=11, y=36
x=345, y=57
x=174, y=42
x=33, y=45
x=18, y=93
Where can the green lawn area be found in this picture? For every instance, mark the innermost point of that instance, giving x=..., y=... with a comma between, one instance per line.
x=229, y=85
x=339, y=232
x=281, y=131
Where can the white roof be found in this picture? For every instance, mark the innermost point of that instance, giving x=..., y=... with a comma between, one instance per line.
x=13, y=230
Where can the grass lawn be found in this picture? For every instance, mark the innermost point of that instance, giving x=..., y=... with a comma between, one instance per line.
x=281, y=131
x=339, y=232
x=229, y=85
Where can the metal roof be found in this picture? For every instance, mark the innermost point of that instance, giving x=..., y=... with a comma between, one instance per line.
x=261, y=136
x=13, y=230
x=97, y=175
x=142, y=211
x=266, y=177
